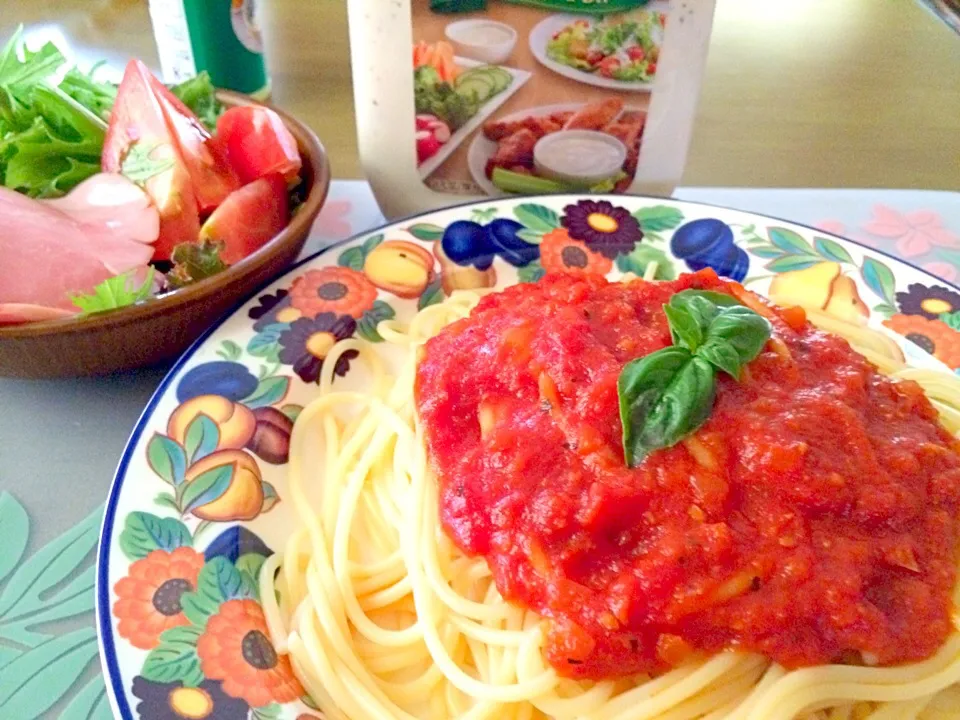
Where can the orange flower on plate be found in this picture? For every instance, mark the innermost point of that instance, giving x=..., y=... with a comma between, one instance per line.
x=236, y=649
x=560, y=253
x=934, y=336
x=339, y=290
x=148, y=598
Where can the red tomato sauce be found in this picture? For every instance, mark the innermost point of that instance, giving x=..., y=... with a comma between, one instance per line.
x=821, y=525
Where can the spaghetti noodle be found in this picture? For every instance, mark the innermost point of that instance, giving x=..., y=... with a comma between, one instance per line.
x=385, y=619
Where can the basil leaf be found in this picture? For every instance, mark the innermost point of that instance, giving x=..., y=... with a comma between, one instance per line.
x=668, y=394
x=663, y=397
x=703, y=298
x=701, y=306
x=685, y=327
x=735, y=337
x=723, y=356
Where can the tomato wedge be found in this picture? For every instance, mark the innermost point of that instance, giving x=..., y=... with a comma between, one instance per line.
x=213, y=178
x=249, y=217
x=140, y=144
x=257, y=143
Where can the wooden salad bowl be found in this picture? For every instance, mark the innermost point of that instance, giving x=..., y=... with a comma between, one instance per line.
x=161, y=328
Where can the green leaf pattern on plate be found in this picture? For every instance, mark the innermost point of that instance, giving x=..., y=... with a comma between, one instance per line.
x=428, y=232
x=789, y=263
x=219, y=581
x=639, y=260
x=788, y=251
x=537, y=218
x=832, y=250
x=270, y=391
x=880, y=279
x=658, y=218
x=175, y=658
x=201, y=438
x=207, y=486
x=144, y=532
x=790, y=241
x=531, y=272
x=367, y=326
x=167, y=459
x=432, y=295
x=354, y=257
x=951, y=319
x=266, y=343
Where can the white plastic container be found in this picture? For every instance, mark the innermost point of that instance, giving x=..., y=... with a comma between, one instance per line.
x=485, y=97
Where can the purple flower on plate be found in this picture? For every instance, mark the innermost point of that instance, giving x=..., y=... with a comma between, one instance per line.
x=603, y=227
x=308, y=341
x=173, y=701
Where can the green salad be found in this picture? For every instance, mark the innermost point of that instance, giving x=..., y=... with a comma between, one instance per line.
x=624, y=49
x=52, y=128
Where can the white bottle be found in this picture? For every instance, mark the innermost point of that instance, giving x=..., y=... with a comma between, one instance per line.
x=492, y=83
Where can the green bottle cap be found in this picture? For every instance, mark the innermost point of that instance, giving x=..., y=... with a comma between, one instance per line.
x=219, y=36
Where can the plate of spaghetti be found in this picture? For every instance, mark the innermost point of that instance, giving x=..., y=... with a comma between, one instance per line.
x=563, y=457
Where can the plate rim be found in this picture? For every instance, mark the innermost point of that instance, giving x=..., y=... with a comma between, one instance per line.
x=106, y=643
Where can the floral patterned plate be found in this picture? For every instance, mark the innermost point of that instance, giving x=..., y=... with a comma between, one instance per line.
x=198, y=500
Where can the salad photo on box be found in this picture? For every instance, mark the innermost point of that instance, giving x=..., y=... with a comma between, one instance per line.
x=518, y=98
x=620, y=49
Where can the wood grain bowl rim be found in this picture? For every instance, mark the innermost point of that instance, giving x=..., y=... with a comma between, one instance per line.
x=297, y=230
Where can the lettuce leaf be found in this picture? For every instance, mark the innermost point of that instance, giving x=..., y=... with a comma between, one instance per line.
x=60, y=149
x=116, y=292
x=199, y=95
x=21, y=68
x=97, y=97
x=49, y=142
x=193, y=261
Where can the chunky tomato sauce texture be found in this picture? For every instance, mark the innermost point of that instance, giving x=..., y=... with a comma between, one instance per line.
x=813, y=518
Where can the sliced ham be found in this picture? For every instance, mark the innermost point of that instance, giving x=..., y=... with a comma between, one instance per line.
x=111, y=203
x=47, y=255
x=17, y=313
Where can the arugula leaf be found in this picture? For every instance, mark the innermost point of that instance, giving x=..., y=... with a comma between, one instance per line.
x=8, y=55
x=97, y=97
x=15, y=116
x=34, y=67
x=669, y=393
x=199, y=94
x=140, y=163
x=193, y=261
x=116, y=292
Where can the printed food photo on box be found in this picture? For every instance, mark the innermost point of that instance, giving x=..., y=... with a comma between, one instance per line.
x=531, y=98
